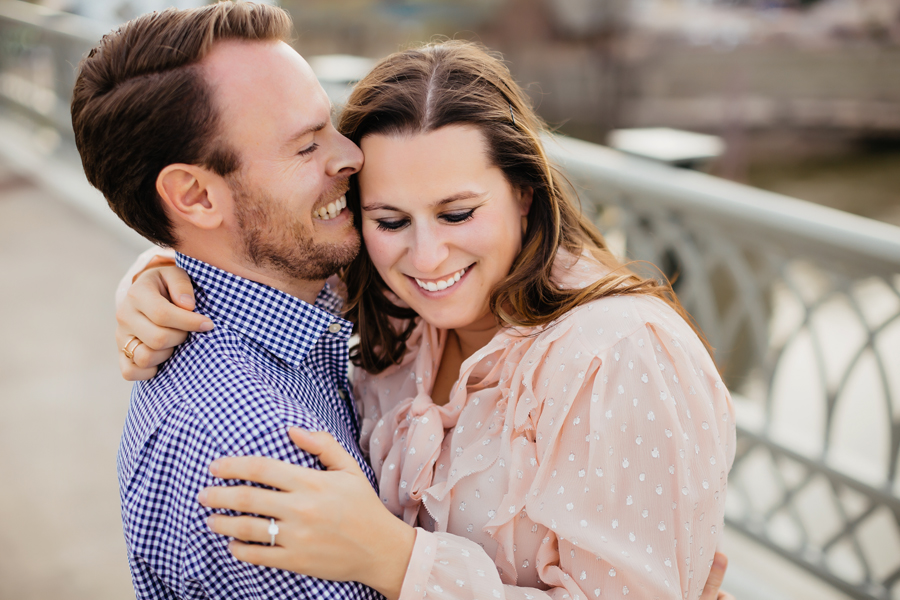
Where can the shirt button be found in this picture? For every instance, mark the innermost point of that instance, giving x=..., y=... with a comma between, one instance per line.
x=342, y=394
x=334, y=327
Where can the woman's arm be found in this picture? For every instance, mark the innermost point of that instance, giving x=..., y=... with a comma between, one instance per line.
x=154, y=301
x=331, y=525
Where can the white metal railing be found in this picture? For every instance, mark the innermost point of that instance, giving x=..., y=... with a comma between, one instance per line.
x=39, y=50
x=801, y=302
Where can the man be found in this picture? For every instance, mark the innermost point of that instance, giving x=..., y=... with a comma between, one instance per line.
x=207, y=133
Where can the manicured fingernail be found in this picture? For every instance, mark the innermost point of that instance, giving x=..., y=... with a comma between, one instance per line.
x=201, y=498
x=206, y=326
x=186, y=300
x=210, y=520
x=214, y=467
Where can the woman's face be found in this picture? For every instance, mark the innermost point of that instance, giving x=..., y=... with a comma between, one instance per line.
x=441, y=224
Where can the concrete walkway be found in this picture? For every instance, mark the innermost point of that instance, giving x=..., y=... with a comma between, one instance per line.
x=62, y=401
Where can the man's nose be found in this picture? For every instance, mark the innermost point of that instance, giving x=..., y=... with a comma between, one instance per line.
x=346, y=159
x=429, y=251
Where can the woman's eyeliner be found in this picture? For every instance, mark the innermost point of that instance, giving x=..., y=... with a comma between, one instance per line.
x=452, y=218
x=459, y=217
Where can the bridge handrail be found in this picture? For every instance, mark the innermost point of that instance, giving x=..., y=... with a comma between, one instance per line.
x=804, y=226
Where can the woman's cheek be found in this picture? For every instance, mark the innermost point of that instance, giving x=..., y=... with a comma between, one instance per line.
x=378, y=245
x=491, y=238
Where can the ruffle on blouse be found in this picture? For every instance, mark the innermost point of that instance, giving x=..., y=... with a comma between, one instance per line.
x=536, y=390
x=416, y=425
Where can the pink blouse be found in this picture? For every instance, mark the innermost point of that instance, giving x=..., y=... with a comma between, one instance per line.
x=587, y=460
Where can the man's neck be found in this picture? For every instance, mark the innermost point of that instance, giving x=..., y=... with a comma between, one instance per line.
x=299, y=288
x=303, y=289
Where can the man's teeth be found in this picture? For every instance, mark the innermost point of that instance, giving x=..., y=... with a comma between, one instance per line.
x=332, y=210
x=434, y=286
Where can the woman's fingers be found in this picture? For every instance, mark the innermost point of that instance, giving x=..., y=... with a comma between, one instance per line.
x=331, y=454
x=152, y=295
x=259, y=469
x=132, y=372
x=246, y=529
x=267, y=556
x=146, y=357
x=178, y=286
x=242, y=498
x=131, y=322
x=142, y=365
x=715, y=578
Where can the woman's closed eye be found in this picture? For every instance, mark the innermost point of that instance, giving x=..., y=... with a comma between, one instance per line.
x=391, y=224
x=458, y=217
x=452, y=218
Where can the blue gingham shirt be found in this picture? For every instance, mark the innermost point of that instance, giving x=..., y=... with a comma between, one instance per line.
x=273, y=361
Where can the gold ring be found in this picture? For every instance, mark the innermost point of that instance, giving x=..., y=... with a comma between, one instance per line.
x=129, y=353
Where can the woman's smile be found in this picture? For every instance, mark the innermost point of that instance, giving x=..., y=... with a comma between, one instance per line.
x=431, y=286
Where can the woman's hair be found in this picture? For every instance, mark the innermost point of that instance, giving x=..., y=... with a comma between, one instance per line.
x=461, y=83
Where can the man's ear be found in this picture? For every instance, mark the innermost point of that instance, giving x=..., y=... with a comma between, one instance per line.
x=193, y=194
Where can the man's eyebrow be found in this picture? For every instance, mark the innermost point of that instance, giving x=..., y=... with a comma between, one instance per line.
x=447, y=200
x=312, y=129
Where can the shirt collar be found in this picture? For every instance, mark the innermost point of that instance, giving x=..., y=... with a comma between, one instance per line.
x=286, y=326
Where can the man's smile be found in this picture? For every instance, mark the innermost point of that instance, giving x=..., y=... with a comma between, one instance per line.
x=332, y=210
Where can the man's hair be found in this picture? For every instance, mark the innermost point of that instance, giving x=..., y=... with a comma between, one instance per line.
x=141, y=103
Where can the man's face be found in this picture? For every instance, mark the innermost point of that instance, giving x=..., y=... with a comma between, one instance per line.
x=290, y=214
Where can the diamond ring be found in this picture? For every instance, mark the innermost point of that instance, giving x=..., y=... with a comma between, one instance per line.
x=273, y=531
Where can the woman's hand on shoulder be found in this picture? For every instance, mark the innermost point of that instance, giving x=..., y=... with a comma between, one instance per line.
x=330, y=524
x=157, y=311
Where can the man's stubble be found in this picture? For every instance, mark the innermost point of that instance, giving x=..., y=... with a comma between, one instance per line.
x=276, y=238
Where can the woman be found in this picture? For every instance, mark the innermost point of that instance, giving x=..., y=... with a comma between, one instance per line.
x=547, y=419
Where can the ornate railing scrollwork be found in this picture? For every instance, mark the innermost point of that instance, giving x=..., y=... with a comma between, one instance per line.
x=802, y=305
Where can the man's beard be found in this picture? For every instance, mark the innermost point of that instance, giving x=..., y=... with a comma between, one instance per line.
x=275, y=238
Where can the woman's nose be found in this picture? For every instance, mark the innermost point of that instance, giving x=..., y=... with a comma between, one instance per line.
x=428, y=252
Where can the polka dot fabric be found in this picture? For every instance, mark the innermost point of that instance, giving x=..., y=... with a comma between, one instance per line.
x=588, y=460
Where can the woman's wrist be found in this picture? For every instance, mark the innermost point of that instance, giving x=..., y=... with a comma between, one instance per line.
x=391, y=559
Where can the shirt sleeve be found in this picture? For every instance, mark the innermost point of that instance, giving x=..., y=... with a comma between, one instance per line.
x=172, y=552
x=633, y=447
x=140, y=263
x=224, y=577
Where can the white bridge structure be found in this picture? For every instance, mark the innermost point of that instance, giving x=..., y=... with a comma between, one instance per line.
x=801, y=303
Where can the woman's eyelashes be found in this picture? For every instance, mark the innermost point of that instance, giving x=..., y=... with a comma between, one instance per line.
x=458, y=217
x=391, y=225
x=452, y=218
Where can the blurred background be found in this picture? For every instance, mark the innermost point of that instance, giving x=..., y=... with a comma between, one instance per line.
x=749, y=148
